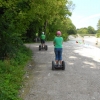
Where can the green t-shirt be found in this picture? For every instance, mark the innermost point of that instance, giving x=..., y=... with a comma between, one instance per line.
x=42, y=37
x=58, y=42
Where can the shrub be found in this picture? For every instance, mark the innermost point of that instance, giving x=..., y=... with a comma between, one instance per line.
x=11, y=74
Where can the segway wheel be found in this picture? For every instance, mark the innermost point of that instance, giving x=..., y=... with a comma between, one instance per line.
x=46, y=47
x=63, y=65
x=53, y=65
x=39, y=47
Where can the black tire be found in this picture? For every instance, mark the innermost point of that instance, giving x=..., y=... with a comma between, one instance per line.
x=53, y=65
x=39, y=47
x=63, y=65
x=46, y=47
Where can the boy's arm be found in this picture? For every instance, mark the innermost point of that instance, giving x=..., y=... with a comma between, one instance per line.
x=45, y=36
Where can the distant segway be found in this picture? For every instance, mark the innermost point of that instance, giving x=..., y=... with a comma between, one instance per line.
x=54, y=66
x=45, y=47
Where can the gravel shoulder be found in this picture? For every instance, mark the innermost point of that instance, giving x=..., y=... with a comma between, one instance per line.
x=79, y=81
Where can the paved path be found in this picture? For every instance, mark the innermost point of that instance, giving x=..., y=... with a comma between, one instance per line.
x=79, y=81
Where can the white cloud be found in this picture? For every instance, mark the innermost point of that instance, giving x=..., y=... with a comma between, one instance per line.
x=89, y=17
x=82, y=21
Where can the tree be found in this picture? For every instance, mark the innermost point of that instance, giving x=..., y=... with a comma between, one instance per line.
x=82, y=31
x=98, y=28
x=14, y=21
x=48, y=15
x=23, y=18
x=71, y=29
x=91, y=30
x=98, y=25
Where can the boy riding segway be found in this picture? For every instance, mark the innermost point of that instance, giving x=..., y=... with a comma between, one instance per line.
x=42, y=46
x=58, y=41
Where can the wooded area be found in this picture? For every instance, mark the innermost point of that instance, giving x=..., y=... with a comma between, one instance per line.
x=20, y=20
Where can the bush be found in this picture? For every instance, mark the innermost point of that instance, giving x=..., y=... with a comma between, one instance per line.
x=98, y=35
x=11, y=74
x=65, y=36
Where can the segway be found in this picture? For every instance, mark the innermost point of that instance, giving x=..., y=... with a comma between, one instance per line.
x=54, y=66
x=45, y=47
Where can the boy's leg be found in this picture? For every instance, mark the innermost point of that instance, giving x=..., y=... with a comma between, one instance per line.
x=60, y=56
x=43, y=43
x=56, y=55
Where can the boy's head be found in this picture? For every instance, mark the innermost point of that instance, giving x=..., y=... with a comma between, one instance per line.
x=42, y=32
x=58, y=33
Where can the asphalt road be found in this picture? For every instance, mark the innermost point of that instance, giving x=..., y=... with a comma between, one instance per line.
x=79, y=81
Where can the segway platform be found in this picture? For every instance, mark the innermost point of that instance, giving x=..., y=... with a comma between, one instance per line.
x=41, y=47
x=54, y=66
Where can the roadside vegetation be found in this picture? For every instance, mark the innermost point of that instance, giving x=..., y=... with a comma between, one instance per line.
x=20, y=20
x=11, y=74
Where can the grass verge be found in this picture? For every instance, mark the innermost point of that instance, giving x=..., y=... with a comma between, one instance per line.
x=11, y=74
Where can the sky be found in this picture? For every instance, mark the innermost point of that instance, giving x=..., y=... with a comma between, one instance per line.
x=86, y=13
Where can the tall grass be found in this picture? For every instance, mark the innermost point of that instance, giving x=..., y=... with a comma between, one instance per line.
x=11, y=74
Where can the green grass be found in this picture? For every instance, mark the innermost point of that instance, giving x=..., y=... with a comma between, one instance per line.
x=11, y=74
